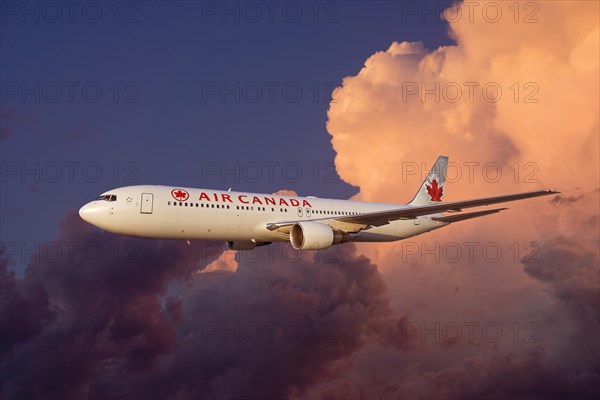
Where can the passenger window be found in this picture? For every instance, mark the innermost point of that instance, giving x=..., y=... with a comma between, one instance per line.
x=169, y=203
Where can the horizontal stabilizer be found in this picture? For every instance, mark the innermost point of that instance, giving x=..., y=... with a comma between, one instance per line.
x=462, y=217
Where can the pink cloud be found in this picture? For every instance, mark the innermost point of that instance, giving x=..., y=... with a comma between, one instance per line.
x=407, y=105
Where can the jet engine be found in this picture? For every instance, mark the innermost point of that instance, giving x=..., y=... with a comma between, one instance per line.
x=315, y=236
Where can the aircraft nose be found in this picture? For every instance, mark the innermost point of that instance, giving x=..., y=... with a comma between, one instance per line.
x=89, y=212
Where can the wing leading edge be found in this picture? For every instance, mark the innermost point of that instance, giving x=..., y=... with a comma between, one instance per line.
x=355, y=223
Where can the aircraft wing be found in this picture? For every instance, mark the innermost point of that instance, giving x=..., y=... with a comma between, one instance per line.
x=355, y=223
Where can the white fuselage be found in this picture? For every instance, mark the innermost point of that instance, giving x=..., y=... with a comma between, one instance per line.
x=155, y=212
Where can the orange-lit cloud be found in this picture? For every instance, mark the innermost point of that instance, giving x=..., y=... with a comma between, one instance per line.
x=225, y=262
x=517, y=98
x=514, y=105
x=547, y=112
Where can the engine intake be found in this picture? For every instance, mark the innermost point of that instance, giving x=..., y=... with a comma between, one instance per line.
x=315, y=236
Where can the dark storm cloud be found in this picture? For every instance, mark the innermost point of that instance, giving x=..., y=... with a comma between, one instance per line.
x=528, y=375
x=269, y=330
x=88, y=298
x=147, y=327
x=569, y=266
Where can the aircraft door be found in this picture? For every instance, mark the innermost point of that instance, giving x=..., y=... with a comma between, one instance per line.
x=147, y=200
x=308, y=213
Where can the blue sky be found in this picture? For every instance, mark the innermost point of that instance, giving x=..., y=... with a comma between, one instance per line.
x=161, y=92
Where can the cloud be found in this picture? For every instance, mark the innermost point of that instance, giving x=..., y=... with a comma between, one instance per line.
x=509, y=376
x=407, y=105
x=225, y=262
x=562, y=199
x=139, y=321
x=285, y=192
x=87, y=298
x=552, y=117
x=270, y=329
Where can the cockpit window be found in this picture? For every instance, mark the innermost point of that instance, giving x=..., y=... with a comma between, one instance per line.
x=107, y=197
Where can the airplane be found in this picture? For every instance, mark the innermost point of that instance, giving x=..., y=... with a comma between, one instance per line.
x=247, y=220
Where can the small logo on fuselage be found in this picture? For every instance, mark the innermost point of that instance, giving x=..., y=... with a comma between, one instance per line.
x=180, y=194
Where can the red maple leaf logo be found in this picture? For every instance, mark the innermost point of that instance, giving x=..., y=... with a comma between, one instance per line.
x=180, y=194
x=435, y=192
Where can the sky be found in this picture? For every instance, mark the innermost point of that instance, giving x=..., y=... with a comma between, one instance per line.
x=177, y=93
x=335, y=99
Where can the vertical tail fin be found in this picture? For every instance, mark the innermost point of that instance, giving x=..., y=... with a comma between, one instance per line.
x=433, y=188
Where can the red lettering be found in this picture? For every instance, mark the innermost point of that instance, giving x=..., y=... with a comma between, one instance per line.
x=242, y=200
x=270, y=200
x=294, y=202
x=256, y=200
x=305, y=203
x=283, y=202
x=226, y=197
x=216, y=197
x=203, y=196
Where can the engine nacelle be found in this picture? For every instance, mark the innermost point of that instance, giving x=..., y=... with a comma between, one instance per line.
x=315, y=236
x=244, y=244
